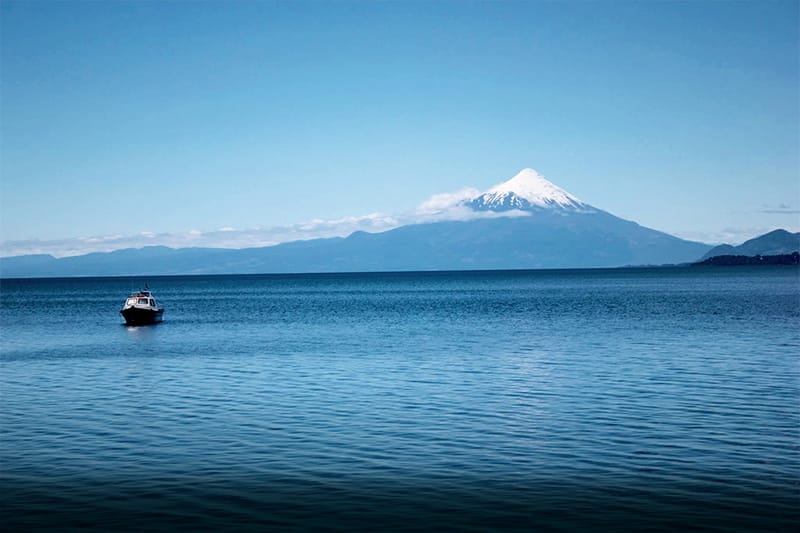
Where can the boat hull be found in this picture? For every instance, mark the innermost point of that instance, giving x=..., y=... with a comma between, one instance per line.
x=141, y=317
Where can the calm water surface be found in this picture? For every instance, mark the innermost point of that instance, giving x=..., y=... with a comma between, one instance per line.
x=558, y=400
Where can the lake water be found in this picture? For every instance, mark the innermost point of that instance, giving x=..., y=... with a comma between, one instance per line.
x=558, y=400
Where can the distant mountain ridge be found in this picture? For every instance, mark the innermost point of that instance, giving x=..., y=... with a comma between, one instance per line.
x=526, y=222
x=777, y=242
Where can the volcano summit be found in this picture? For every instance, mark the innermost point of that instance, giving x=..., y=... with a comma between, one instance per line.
x=528, y=191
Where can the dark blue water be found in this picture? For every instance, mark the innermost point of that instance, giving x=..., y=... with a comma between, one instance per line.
x=653, y=399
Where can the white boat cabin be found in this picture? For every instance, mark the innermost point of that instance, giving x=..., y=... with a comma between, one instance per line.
x=142, y=300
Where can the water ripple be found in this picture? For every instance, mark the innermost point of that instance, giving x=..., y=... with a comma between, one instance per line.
x=617, y=400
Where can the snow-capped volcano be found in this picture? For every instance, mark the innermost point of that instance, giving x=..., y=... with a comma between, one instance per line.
x=528, y=190
x=525, y=222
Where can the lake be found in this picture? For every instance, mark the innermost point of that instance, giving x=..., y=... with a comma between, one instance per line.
x=659, y=399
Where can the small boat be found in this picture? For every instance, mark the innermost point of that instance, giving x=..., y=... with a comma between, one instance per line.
x=141, y=308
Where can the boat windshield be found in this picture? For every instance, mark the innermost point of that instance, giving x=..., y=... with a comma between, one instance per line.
x=130, y=301
x=142, y=301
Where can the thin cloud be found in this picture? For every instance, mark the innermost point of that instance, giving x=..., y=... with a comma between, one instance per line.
x=226, y=237
x=780, y=209
x=439, y=207
x=453, y=206
x=732, y=235
x=442, y=202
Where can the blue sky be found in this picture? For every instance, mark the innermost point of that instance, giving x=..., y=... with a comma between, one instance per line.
x=244, y=123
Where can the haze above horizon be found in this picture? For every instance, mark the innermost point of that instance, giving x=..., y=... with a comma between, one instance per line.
x=202, y=122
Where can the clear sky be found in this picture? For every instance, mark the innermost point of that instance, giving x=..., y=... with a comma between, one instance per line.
x=128, y=121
